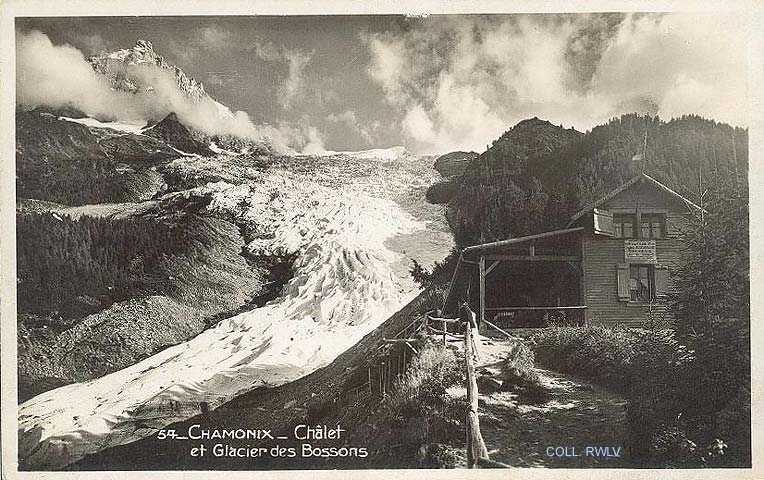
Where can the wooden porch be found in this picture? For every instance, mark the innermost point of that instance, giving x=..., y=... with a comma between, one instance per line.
x=546, y=266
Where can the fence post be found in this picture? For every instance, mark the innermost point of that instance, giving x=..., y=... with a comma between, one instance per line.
x=481, y=312
x=475, y=444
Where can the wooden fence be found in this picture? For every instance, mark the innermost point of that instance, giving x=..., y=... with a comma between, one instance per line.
x=396, y=355
x=399, y=350
x=477, y=452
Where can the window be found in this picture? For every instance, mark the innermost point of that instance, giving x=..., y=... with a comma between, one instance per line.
x=653, y=225
x=623, y=225
x=642, y=283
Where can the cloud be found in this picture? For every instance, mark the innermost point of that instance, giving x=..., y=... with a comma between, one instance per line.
x=209, y=39
x=92, y=43
x=314, y=144
x=682, y=63
x=58, y=75
x=212, y=37
x=221, y=78
x=349, y=118
x=291, y=87
x=459, y=82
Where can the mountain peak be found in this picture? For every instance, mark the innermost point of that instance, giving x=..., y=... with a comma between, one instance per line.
x=536, y=122
x=172, y=131
x=116, y=67
x=170, y=118
x=527, y=139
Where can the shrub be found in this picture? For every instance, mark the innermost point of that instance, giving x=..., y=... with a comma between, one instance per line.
x=601, y=353
x=421, y=412
x=420, y=275
x=441, y=273
x=686, y=406
x=520, y=375
x=424, y=385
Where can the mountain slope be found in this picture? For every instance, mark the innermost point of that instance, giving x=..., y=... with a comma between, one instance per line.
x=676, y=152
x=536, y=175
x=102, y=290
x=69, y=163
x=177, y=135
x=495, y=198
x=111, y=268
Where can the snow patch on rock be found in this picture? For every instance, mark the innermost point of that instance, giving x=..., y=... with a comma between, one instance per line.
x=392, y=153
x=135, y=128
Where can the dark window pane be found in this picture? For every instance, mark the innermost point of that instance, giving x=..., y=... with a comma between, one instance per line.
x=641, y=283
x=624, y=225
x=653, y=225
x=659, y=226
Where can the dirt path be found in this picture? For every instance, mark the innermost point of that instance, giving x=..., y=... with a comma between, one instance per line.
x=577, y=415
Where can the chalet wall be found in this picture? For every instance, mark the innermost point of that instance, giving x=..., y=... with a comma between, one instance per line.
x=601, y=256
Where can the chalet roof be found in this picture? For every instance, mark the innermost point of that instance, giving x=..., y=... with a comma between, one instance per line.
x=642, y=177
x=484, y=247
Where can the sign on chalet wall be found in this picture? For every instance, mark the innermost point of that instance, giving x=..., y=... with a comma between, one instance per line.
x=639, y=251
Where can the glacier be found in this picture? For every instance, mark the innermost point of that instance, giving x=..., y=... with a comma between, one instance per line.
x=338, y=214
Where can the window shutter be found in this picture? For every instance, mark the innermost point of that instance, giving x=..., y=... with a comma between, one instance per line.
x=661, y=281
x=603, y=223
x=623, y=282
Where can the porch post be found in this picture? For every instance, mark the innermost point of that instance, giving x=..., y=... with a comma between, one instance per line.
x=481, y=313
x=582, y=278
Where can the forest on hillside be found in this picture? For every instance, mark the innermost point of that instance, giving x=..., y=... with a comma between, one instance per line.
x=70, y=268
x=536, y=175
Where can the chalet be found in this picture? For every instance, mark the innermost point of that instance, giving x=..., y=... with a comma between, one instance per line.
x=611, y=265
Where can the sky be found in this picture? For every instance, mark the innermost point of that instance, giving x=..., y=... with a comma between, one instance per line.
x=432, y=84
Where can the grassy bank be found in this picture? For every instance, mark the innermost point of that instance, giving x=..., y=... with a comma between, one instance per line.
x=683, y=411
x=422, y=415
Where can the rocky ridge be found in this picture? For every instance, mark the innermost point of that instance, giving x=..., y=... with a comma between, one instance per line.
x=114, y=66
